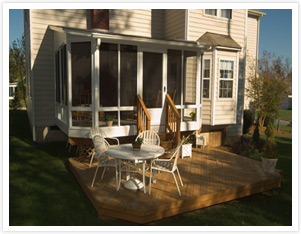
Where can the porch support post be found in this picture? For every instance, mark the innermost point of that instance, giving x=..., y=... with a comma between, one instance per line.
x=198, y=90
x=95, y=78
x=69, y=85
x=213, y=86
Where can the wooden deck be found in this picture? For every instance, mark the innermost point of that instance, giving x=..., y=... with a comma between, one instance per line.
x=210, y=177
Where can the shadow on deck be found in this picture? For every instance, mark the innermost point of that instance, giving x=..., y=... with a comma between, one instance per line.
x=210, y=177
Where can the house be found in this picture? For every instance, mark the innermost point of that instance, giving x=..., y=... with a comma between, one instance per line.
x=12, y=89
x=88, y=66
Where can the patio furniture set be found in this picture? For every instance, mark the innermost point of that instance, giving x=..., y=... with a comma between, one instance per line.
x=124, y=158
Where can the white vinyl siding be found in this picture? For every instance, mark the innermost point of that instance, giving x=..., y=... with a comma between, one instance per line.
x=252, y=38
x=225, y=108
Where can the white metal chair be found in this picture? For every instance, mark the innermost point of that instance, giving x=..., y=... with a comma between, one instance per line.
x=96, y=131
x=100, y=147
x=149, y=137
x=166, y=165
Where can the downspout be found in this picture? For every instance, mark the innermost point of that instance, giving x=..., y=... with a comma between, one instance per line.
x=34, y=137
x=213, y=86
x=245, y=57
x=186, y=25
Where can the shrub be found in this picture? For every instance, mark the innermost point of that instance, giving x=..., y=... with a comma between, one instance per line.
x=269, y=148
x=244, y=147
x=248, y=120
x=256, y=134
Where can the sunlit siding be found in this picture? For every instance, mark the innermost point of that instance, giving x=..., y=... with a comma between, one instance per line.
x=251, y=51
x=225, y=112
x=175, y=24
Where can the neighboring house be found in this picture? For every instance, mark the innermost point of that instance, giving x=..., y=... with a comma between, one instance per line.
x=12, y=89
x=85, y=64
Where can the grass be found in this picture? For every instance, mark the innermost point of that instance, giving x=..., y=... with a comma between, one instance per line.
x=285, y=115
x=43, y=191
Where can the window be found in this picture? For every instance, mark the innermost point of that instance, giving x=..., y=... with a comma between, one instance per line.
x=128, y=75
x=108, y=75
x=189, y=78
x=211, y=11
x=57, y=77
x=219, y=13
x=174, y=71
x=226, y=79
x=206, y=78
x=11, y=91
x=81, y=73
x=226, y=13
x=64, y=75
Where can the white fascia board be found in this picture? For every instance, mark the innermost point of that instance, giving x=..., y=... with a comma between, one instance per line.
x=227, y=48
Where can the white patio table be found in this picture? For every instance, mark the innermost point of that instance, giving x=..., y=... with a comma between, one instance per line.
x=126, y=152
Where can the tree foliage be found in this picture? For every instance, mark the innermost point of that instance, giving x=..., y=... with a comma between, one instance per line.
x=267, y=86
x=17, y=60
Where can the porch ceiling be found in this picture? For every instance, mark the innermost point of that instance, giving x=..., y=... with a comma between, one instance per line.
x=121, y=37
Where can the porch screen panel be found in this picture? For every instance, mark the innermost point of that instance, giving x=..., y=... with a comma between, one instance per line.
x=128, y=75
x=108, y=75
x=189, y=77
x=152, y=79
x=64, y=75
x=81, y=73
x=57, y=78
x=174, y=71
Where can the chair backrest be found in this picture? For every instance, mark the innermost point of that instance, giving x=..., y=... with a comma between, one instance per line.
x=149, y=137
x=100, y=145
x=96, y=131
x=176, y=155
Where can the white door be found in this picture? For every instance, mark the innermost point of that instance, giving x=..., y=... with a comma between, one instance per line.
x=154, y=84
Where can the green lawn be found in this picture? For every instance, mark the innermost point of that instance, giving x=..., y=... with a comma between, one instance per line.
x=285, y=114
x=43, y=191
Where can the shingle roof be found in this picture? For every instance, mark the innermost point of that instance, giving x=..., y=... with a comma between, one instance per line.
x=214, y=39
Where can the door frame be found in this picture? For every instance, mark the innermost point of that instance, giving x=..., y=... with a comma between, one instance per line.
x=154, y=112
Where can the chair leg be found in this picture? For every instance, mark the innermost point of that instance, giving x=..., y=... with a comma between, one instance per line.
x=144, y=176
x=94, y=177
x=150, y=179
x=104, y=170
x=117, y=174
x=91, y=159
x=176, y=183
x=179, y=176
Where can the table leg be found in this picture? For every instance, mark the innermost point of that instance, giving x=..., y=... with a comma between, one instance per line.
x=150, y=176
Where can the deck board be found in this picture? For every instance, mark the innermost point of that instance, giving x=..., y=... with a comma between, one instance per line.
x=210, y=177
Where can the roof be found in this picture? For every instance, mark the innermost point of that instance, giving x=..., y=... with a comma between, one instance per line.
x=214, y=39
x=116, y=36
x=256, y=12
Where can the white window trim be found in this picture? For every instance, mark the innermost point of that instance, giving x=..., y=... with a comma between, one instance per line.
x=218, y=14
x=226, y=79
x=206, y=78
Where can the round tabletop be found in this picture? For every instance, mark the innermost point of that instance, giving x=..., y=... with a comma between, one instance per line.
x=127, y=152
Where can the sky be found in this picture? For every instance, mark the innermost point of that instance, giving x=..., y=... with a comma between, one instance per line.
x=275, y=31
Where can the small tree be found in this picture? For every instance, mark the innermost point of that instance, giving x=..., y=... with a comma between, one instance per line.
x=269, y=148
x=16, y=60
x=267, y=86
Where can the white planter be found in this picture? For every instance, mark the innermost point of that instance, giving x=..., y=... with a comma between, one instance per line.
x=187, y=150
x=269, y=165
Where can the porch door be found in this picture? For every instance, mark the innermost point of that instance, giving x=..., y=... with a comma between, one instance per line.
x=154, y=86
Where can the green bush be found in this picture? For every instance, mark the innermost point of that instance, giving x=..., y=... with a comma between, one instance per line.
x=248, y=120
x=269, y=148
x=256, y=134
